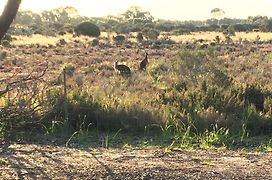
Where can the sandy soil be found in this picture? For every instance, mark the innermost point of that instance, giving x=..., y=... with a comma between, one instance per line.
x=32, y=161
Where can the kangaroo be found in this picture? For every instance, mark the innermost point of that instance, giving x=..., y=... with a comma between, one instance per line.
x=123, y=69
x=144, y=62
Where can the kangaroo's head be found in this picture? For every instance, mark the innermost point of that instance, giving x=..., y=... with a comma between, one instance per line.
x=146, y=54
x=115, y=64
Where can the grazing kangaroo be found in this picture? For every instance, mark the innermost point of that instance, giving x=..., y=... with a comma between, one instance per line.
x=144, y=62
x=123, y=69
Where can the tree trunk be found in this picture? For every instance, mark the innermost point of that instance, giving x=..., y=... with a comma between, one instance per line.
x=8, y=15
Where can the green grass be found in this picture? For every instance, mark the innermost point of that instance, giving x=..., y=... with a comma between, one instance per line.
x=217, y=139
x=3, y=161
x=266, y=146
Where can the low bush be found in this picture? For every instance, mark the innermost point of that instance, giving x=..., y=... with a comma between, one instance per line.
x=119, y=39
x=87, y=29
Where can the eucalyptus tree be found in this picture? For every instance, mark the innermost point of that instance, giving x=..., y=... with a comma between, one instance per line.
x=8, y=15
x=217, y=14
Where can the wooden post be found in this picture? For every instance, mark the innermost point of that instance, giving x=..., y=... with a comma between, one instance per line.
x=8, y=98
x=65, y=100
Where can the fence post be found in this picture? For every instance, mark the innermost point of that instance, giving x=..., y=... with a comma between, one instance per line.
x=65, y=100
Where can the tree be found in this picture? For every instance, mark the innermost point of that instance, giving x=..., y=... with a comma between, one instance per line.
x=268, y=26
x=24, y=18
x=21, y=109
x=49, y=17
x=217, y=13
x=212, y=22
x=8, y=15
x=64, y=15
x=136, y=15
x=259, y=22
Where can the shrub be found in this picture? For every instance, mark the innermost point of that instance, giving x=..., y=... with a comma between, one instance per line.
x=88, y=29
x=3, y=55
x=217, y=39
x=61, y=33
x=69, y=69
x=7, y=37
x=6, y=40
x=5, y=43
x=139, y=37
x=95, y=42
x=268, y=105
x=230, y=31
x=119, y=39
x=62, y=42
x=151, y=34
x=221, y=79
x=254, y=95
x=239, y=27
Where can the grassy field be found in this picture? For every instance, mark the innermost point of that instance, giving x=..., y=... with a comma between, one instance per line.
x=188, y=93
x=210, y=36
x=199, y=111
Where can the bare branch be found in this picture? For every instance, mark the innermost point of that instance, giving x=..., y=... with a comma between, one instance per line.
x=11, y=85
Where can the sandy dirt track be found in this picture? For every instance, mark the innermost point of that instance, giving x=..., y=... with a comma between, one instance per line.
x=31, y=161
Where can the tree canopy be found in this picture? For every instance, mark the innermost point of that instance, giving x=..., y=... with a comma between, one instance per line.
x=217, y=13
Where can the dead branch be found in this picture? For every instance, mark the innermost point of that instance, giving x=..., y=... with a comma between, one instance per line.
x=17, y=82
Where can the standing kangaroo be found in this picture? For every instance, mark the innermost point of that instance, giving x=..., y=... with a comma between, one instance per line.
x=144, y=62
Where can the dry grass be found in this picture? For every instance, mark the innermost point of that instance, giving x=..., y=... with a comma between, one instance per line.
x=210, y=36
x=168, y=69
x=45, y=40
x=36, y=39
x=196, y=35
x=94, y=61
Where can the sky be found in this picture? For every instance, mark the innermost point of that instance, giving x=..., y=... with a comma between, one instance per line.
x=160, y=9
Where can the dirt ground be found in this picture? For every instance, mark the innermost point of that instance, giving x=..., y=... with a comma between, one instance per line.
x=32, y=161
